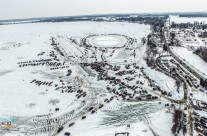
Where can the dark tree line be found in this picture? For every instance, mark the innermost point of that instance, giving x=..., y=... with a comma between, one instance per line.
x=177, y=120
x=189, y=25
x=202, y=52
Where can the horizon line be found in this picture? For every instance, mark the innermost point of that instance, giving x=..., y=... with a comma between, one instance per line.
x=110, y=14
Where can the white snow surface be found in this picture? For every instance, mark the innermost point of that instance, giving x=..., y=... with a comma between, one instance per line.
x=23, y=42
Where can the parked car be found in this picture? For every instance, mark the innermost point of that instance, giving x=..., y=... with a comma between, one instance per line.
x=71, y=124
x=67, y=134
x=60, y=129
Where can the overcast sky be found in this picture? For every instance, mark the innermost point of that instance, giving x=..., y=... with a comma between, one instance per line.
x=10, y=9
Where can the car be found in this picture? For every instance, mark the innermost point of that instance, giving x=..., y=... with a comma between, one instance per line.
x=93, y=111
x=100, y=106
x=90, y=109
x=201, y=90
x=71, y=124
x=105, y=100
x=60, y=129
x=67, y=134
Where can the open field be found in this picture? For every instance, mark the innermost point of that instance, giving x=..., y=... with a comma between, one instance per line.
x=36, y=85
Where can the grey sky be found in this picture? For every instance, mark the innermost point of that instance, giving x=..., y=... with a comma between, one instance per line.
x=43, y=8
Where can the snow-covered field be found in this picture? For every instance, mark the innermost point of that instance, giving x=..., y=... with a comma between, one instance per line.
x=191, y=58
x=146, y=115
x=34, y=79
x=166, y=83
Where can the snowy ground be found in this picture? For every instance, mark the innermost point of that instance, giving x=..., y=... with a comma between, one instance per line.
x=191, y=58
x=94, y=125
x=22, y=98
x=166, y=83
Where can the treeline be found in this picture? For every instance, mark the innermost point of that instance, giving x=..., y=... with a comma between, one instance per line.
x=194, y=15
x=151, y=20
x=179, y=120
x=189, y=25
